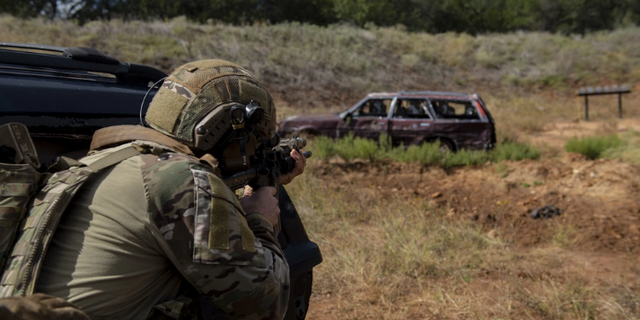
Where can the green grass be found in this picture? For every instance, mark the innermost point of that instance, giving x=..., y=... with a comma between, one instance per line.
x=350, y=148
x=514, y=151
x=594, y=147
x=629, y=152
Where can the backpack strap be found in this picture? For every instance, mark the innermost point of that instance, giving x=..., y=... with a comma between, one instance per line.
x=36, y=230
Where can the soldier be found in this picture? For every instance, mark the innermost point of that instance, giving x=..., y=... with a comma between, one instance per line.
x=147, y=237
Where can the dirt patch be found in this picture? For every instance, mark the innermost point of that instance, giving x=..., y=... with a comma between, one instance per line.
x=573, y=265
x=556, y=134
x=597, y=198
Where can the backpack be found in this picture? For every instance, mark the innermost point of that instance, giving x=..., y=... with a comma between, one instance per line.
x=32, y=202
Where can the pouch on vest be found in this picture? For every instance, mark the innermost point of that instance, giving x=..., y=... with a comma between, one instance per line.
x=32, y=204
x=19, y=181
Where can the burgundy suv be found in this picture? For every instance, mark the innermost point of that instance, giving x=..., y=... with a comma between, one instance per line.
x=457, y=120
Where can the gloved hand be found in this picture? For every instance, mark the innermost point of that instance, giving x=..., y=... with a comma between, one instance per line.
x=261, y=201
x=301, y=163
x=39, y=307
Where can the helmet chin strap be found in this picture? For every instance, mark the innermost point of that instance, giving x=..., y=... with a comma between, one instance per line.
x=238, y=118
x=243, y=145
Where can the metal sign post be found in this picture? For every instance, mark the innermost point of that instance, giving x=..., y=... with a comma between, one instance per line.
x=599, y=91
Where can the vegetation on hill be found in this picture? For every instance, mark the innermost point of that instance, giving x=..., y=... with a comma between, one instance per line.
x=341, y=61
x=527, y=78
x=470, y=16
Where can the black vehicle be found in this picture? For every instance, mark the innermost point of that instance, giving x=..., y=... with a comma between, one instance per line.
x=63, y=95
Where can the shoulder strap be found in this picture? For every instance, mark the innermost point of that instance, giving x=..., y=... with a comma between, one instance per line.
x=113, y=158
x=117, y=135
x=36, y=230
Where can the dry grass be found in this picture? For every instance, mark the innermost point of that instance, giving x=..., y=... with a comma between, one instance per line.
x=401, y=259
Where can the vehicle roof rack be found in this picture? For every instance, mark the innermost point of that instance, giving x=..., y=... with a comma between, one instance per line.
x=440, y=93
x=77, y=58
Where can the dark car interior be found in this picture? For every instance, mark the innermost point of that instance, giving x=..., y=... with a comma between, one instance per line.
x=455, y=109
x=412, y=108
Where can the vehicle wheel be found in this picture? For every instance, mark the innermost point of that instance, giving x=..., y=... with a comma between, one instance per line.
x=446, y=146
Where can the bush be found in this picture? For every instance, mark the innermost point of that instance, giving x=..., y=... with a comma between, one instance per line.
x=465, y=158
x=593, y=147
x=351, y=147
x=514, y=151
x=325, y=148
x=627, y=153
x=426, y=153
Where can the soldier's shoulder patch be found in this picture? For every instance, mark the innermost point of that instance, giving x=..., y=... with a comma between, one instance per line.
x=221, y=232
x=168, y=182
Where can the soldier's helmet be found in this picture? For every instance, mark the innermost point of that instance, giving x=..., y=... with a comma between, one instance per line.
x=195, y=102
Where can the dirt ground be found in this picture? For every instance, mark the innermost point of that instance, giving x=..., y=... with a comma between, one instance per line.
x=597, y=199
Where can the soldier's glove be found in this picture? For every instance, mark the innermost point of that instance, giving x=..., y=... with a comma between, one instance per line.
x=301, y=163
x=39, y=307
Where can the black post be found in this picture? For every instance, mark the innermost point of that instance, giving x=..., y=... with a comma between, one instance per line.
x=620, y=105
x=586, y=108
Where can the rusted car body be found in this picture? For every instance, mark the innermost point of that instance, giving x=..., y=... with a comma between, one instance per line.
x=457, y=120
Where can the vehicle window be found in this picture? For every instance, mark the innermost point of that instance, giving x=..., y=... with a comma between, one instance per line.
x=452, y=109
x=373, y=108
x=411, y=108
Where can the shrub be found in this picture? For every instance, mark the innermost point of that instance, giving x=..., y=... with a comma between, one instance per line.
x=514, y=151
x=426, y=153
x=351, y=147
x=324, y=148
x=627, y=153
x=465, y=158
x=593, y=147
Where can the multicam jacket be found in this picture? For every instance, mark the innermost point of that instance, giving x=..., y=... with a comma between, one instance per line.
x=140, y=232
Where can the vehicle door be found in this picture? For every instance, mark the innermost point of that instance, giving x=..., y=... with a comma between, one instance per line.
x=462, y=121
x=411, y=122
x=368, y=120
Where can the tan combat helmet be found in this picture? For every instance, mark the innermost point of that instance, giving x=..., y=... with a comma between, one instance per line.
x=193, y=105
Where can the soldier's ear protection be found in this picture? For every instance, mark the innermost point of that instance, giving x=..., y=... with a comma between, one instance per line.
x=241, y=115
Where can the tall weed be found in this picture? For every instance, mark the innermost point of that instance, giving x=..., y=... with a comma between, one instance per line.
x=514, y=151
x=593, y=147
x=350, y=148
x=629, y=152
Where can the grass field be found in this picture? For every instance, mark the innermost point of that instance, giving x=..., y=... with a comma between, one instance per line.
x=402, y=257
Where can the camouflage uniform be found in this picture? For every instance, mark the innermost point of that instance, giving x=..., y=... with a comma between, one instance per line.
x=141, y=234
x=191, y=228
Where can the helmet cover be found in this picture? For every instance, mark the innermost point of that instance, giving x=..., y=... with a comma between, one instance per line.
x=193, y=104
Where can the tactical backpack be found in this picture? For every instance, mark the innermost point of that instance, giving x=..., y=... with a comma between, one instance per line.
x=32, y=201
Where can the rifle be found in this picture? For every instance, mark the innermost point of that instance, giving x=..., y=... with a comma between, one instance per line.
x=271, y=161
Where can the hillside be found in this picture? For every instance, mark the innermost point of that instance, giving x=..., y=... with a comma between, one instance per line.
x=344, y=62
